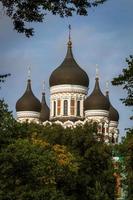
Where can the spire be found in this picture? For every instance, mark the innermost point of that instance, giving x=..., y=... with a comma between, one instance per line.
x=69, y=48
x=43, y=87
x=29, y=73
x=97, y=87
x=43, y=93
x=69, y=38
x=29, y=80
x=97, y=71
x=44, y=114
x=69, y=32
x=107, y=88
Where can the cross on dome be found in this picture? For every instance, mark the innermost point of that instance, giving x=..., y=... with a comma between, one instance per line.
x=29, y=73
x=43, y=87
x=97, y=71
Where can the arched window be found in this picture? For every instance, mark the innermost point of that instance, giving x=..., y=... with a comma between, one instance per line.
x=78, y=108
x=72, y=106
x=54, y=109
x=65, y=107
x=58, y=107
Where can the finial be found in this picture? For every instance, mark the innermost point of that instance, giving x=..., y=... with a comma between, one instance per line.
x=29, y=73
x=69, y=42
x=97, y=71
x=43, y=87
x=69, y=32
x=107, y=87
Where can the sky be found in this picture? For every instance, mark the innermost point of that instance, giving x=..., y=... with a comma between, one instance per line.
x=104, y=37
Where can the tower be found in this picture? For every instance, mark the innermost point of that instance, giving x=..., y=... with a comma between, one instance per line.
x=28, y=107
x=68, y=89
x=97, y=109
x=44, y=113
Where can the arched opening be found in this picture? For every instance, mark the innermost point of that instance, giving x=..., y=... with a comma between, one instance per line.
x=54, y=113
x=78, y=108
x=72, y=106
x=58, y=107
x=65, y=108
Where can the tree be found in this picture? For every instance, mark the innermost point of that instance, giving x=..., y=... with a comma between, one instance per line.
x=3, y=77
x=50, y=162
x=94, y=180
x=31, y=168
x=126, y=81
x=25, y=11
x=126, y=147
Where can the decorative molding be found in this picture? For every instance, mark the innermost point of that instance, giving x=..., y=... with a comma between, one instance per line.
x=96, y=113
x=68, y=88
x=28, y=114
x=113, y=124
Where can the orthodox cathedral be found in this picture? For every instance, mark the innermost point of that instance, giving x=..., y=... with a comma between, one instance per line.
x=70, y=104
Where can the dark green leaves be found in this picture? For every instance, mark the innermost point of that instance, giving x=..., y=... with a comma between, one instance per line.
x=25, y=11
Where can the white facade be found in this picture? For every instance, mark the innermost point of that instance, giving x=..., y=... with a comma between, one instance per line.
x=30, y=116
x=67, y=101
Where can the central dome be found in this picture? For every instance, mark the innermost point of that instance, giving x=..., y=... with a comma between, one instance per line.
x=69, y=72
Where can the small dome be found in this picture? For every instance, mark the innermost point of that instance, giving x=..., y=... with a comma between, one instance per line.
x=69, y=72
x=113, y=113
x=28, y=102
x=45, y=112
x=96, y=101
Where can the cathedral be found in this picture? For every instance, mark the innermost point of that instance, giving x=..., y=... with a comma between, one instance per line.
x=70, y=104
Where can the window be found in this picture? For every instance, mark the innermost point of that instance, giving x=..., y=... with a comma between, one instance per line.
x=58, y=107
x=54, y=108
x=78, y=108
x=65, y=107
x=72, y=106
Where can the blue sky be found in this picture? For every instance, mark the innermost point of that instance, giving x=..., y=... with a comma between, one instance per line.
x=104, y=37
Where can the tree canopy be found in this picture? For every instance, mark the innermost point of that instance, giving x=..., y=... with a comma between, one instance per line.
x=50, y=162
x=126, y=81
x=25, y=11
x=3, y=78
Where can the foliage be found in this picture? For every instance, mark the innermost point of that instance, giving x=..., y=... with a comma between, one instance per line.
x=126, y=80
x=126, y=147
x=51, y=163
x=95, y=169
x=3, y=77
x=31, y=168
x=125, y=150
x=25, y=11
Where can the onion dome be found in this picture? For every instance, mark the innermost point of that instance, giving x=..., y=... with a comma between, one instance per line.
x=97, y=100
x=45, y=112
x=28, y=102
x=113, y=113
x=69, y=72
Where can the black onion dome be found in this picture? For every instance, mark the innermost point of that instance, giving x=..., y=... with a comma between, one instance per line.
x=45, y=112
x=28, y=102
x=69, y=72
x=96, y=101
x=113, y=113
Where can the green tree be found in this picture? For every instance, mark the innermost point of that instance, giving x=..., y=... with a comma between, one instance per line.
x=95, y=180
x=3, y=78
x=50, y=162
x=126, y=81
x=25, y=11
x=126, y=147
x=31, y=168
x=125, y=150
